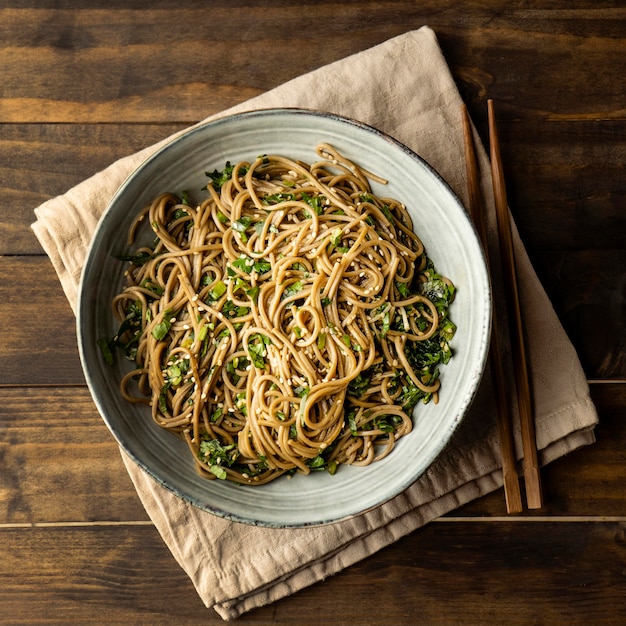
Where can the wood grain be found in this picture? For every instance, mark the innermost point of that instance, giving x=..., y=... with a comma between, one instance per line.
x=52, y=440
x=147, y=64
x=84, y=85
x=567, y=574
x=41, y=161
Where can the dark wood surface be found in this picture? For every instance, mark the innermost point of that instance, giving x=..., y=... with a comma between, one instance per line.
x=80, y=87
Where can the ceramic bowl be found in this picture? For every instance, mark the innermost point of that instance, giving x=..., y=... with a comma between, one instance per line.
x=451, y=242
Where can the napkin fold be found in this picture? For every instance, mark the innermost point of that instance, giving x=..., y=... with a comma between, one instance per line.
x=403, y=87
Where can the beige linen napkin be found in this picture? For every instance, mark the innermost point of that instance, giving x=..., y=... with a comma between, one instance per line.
x=403, y=87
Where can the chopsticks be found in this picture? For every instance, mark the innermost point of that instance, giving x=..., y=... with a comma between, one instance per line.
x=504, y=417
x=512, y=493
x=531, y=465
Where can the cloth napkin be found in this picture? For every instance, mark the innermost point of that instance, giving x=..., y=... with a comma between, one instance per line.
x=404, y=87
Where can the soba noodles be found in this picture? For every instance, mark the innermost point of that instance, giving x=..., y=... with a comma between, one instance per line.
x=288, y=322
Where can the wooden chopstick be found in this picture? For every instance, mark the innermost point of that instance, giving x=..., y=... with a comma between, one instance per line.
x=512, y=493
x=532, y=480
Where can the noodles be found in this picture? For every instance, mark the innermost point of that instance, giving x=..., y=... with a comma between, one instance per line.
x=290, y=321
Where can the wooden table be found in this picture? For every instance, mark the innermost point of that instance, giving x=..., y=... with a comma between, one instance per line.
x=82, y=87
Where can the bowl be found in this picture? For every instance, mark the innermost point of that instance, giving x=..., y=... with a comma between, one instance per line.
x=451, y=242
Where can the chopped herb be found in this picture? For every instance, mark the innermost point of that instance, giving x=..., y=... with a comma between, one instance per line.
x=153, y=287
x=403, y=289
x=257, y=349
x=351, y=418
x=387, y=213
x=241, y=225
x=439, y=292
x=316, y=463
x=335, y=240
x=174, y=373
x=321, y=341
x=277, y=198
x=293, y=289
x=106, y=348
x=233, y=311
x=141, y=258
x=161, y=329
x=246, y=264
x=253, y=293
x=315, y=202
x=359, y=385
x=219, y=471
x=216, y=415
x=213, y=453
x=163, y=399
x=218, y=178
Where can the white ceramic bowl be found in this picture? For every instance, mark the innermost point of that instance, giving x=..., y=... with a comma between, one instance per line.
x=451, y=242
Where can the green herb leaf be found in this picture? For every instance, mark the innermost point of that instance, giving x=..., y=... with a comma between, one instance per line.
x=315, y=202
x=277, y=198
x=105, y=347
x=162, y=402
x=141, y=258
x=403, y=289
x=212, y=452
x=161, y=329
x=321, y=341
x=219, y=471
x=293, y=289
x=257, y=349
x=218, y=178
x=242, y=224
x=387, y=213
